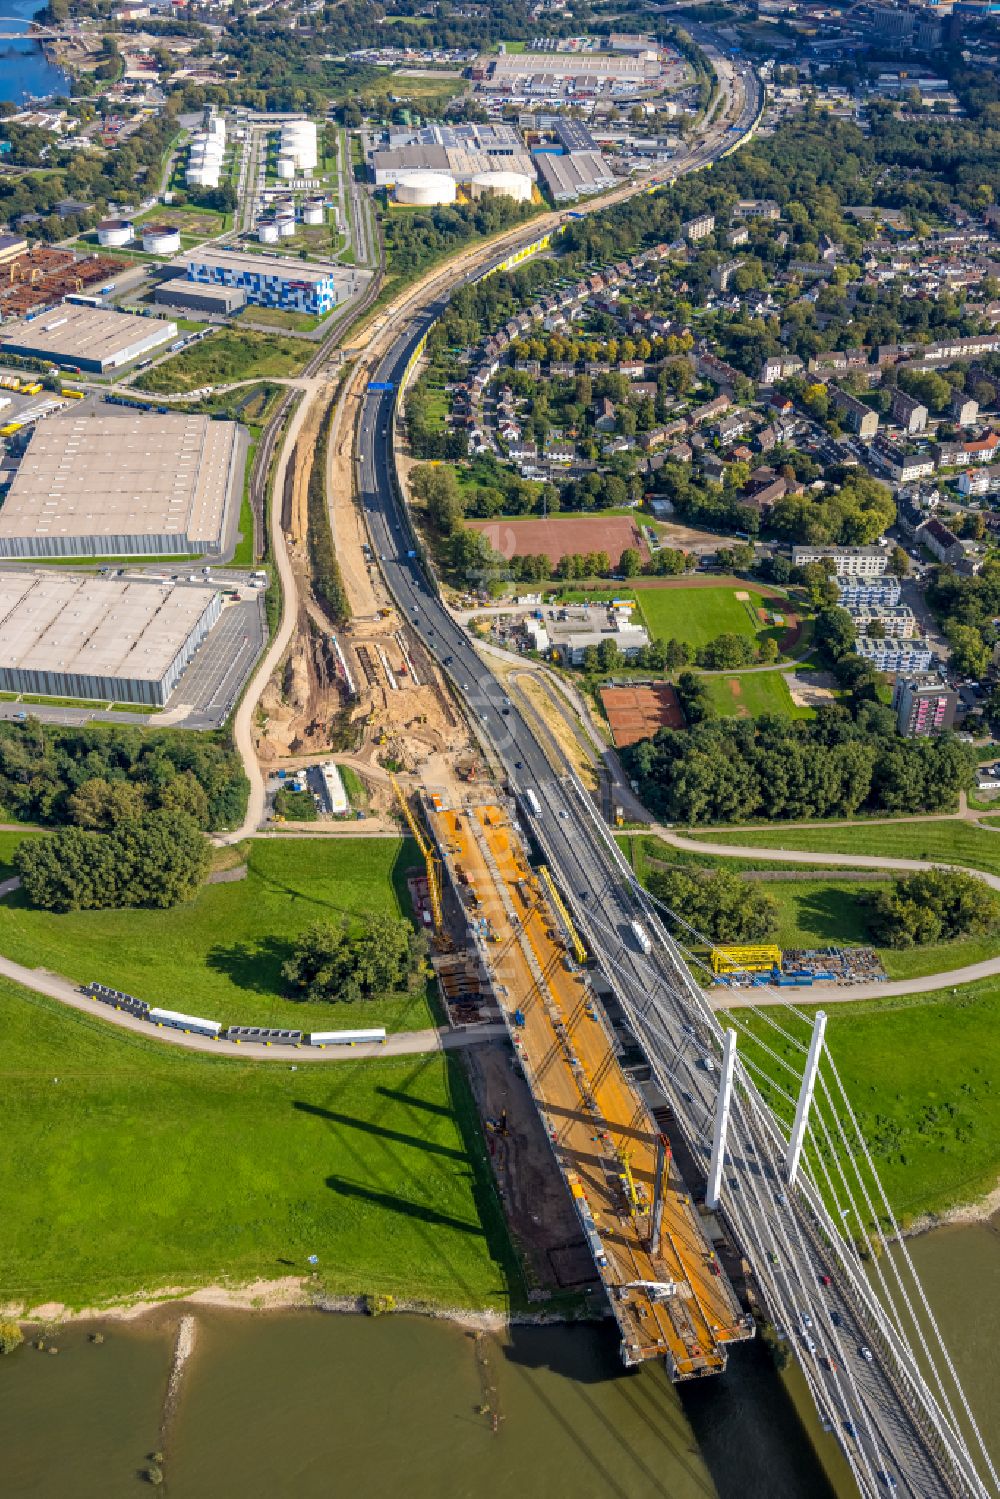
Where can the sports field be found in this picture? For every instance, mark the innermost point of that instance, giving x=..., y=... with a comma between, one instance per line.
x=563, y=535
x=636, y=713
x=750, y=694
x=221, y=956
x=697, y=615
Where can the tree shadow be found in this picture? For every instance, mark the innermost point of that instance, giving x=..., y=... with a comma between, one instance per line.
x=255, y=966
x=833, y=915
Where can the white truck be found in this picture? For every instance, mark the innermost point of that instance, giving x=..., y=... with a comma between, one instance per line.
x=533, y=803
x=642, y=937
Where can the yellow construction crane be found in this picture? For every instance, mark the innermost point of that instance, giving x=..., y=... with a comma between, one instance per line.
x=430, y=860
x=578, y=948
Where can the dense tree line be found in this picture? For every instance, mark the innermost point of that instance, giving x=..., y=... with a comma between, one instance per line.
x=968, y=608
x=327, y=580
x=935, y=905
x=123, y=175
x=379, y=955
x=835, y=765
x=97, y=776
x=157, y=859
x=413, y=239
x=719, y=904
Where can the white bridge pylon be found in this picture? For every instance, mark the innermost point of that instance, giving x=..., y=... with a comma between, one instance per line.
x=721, y=1122
x=805, y=1098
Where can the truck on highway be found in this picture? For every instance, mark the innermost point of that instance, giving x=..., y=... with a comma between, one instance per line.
x=642, y=937
x=533, y=803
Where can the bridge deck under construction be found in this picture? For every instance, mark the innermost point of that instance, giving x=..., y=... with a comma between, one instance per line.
x=671, y=1298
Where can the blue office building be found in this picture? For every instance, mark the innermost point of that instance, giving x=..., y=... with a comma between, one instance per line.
x=268, y=280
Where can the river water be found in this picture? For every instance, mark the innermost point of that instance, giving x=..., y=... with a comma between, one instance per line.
x=25, y=71
x=312, y=1405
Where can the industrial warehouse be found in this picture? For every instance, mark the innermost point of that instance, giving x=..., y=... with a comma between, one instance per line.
x=69, y=636
x=461, y=152
x=136, y=484
x=267, y=281
x=88, y=338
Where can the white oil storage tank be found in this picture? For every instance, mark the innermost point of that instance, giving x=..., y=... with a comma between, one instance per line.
x=115, y=232
x=161, y=239
x=286, y=226
x=313, y=211
x=426, y=189
x=268, y=232
x=286, y=167
x=514, y=185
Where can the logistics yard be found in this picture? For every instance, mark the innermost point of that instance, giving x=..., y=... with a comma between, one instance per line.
x=130, y=483
x=88, y=338
x=652, y=1248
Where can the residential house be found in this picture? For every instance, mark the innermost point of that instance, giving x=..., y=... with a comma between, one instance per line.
x=941, y=541
x=907, y=412
x=859, y=417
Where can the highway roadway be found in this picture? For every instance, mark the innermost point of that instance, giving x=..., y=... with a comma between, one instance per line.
x=866, y=1382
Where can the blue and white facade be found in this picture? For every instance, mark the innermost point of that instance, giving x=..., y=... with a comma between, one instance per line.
x=894, y=654
x=268, y=281
x=868, y=593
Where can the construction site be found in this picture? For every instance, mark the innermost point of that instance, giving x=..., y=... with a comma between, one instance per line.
x=365, y=688
x=622, y=1207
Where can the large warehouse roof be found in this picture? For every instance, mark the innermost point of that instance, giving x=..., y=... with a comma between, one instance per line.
x=95, y=627
x=92, y=485
x=283, y=267
x=95, y=334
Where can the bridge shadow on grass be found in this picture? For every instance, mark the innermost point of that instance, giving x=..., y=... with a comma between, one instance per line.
x=253, y=965
x=371, y=1128
x=396, y=1204
x=378, y=1155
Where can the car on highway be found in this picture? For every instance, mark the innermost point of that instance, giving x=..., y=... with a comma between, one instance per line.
x=866, y=1353
x=886, y=1478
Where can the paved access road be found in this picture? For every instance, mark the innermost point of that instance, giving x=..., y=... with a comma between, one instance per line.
x=399, y=1044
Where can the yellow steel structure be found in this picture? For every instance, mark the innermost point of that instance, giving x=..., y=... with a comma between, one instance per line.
x=430, y=860
x=579, y=951
x=646, y=1235
x=759, y=959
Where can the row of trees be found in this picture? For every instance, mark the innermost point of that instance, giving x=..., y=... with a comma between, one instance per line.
x=159, y=859
x=99, y=775
x=835, y=765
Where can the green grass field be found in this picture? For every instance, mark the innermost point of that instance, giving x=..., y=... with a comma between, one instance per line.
x=279, y=317
x=920, y=1073
x=144, y=1167
x=221, y=956
x=751, y=694
x=224, y=356
x=816, y=913
x=696, y=615
x=945, y=841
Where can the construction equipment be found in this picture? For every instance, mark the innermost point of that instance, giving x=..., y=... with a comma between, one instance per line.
x=761, y=958
x=580, y=952
x=430, y=860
